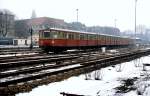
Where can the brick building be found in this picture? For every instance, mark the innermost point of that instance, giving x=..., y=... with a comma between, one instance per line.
x=22, y=26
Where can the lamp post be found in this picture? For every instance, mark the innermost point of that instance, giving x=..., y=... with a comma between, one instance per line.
x=31, y=33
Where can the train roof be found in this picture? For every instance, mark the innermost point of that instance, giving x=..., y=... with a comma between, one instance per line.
x=75, y=31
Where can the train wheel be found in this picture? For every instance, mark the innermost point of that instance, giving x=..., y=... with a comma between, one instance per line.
x=45, y=50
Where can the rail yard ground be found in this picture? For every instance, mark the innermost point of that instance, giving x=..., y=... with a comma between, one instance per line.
x=24, y=72
x=125, y=79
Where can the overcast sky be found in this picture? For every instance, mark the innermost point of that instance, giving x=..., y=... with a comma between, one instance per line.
x=91, y=12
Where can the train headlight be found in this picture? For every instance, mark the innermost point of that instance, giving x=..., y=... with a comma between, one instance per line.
x=41, y=42
x=53, y=42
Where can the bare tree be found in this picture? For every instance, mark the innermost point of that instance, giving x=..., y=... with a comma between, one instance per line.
x=6, y=22
x=21, y=29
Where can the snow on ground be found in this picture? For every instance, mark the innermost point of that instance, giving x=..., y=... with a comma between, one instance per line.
x=18, y=54
x=110, y=78
x=13, y=46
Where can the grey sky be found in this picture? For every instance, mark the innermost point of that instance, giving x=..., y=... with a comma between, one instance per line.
x=91, y=12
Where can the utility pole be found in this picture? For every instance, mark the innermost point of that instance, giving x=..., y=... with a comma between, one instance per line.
x=135, y=18
x=77, y=14
x=115, y=21
x=1, y=24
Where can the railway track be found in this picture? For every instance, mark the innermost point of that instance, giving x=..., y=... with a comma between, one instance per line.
x=19, y=65
x=26, y=69
x=38, y=67
x=25, y=54
x=19, y=50
x=26, y=72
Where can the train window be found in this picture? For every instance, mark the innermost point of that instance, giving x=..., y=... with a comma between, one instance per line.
x=89, y=37
x=104, y=37
x=111, y=39
x=73, y=36
x=92, y=37
x=59, y=35
x=108, y=39
x=85, y=36
x=99, y=38
x=53, y=34
x=95, y=37
x=46, y=34
x=81, y=37
x=67, y=35
x=70, y=36
x=76, y=36
x=40, y=34
x=64, y=35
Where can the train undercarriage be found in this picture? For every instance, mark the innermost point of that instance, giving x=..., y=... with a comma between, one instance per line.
x=58, y=49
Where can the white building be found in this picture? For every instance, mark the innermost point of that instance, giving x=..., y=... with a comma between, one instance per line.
x=35, y=39
x=20, y=42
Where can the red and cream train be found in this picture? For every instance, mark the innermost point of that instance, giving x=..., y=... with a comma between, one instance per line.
x=57, y=40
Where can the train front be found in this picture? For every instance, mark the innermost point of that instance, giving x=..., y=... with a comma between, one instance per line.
x=45, y=40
